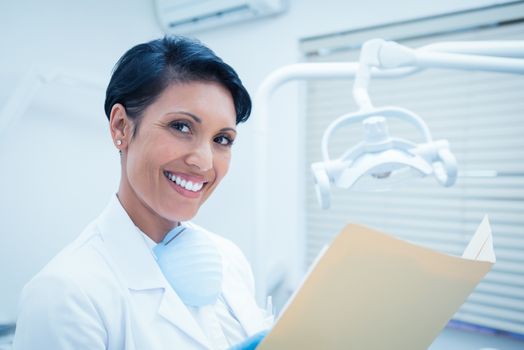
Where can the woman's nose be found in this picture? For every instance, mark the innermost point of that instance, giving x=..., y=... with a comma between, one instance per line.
x=201, y=156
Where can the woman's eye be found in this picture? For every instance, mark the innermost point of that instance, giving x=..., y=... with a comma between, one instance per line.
x=181, y=126
x=224, y=140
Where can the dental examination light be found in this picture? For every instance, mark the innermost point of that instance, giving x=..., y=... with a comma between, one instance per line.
x=380, y=159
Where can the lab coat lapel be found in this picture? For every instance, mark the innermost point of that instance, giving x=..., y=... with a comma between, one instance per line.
x=175, y=311
x=244, y=307
x=138, y=269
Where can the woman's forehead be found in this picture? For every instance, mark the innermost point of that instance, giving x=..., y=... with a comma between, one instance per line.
x=204, y=102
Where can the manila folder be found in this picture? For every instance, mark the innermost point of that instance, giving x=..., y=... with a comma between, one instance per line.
x=372, y=291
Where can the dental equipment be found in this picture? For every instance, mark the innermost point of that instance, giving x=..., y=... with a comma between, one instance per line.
x=379, y=156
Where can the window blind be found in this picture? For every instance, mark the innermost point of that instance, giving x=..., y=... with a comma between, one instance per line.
x=482, y=116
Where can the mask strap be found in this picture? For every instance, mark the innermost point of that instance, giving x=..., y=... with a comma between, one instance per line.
x=174, y=233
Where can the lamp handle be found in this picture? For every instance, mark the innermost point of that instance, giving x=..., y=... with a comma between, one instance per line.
x=386, y=112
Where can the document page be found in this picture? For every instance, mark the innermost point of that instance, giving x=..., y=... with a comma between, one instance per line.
x=370, y=290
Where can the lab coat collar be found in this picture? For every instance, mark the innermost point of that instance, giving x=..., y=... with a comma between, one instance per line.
x=139, y=270
x=127, y=248
x=243, y=304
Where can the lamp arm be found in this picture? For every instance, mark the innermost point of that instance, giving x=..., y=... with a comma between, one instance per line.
x=272, y=82
x=503, y=48
x=469, y=62
x=502, y=57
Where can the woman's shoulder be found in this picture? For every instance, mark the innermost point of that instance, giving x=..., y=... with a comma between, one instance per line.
x=72, y=297
x=79, y=266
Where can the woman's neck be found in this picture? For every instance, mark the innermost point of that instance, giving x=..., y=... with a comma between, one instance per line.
x=148, y=221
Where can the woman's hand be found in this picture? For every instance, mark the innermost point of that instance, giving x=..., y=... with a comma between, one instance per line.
x=252, y=342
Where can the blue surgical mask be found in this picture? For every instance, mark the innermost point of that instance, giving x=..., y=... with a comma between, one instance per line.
x=192, y=265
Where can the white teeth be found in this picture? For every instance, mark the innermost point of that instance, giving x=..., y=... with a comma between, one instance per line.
x=188, y=185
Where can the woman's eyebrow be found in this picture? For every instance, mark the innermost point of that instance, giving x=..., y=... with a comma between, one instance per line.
x=194, y=117
x=228, y=129
x=198, y=120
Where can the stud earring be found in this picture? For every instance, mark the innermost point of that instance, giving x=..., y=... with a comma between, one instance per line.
x=118, y=142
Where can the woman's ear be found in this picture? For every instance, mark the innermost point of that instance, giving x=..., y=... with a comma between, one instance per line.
x=120, y=126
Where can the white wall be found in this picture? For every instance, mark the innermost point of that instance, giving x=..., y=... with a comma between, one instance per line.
x=57, y=164
x=86, y=38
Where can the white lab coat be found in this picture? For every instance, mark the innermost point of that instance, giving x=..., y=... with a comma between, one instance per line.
x=106, y=291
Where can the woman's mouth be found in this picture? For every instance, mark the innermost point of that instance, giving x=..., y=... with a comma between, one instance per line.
x=184, y=184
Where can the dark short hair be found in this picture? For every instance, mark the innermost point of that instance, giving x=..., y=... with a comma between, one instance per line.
x=143, y=72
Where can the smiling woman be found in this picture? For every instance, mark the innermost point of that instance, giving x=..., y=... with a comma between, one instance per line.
x=185, y=136
x=141, y=276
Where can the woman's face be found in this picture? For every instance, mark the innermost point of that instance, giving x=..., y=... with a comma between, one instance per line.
x=179, y=153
